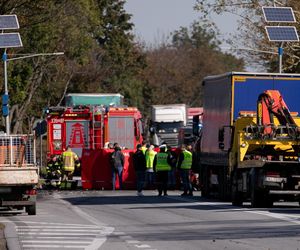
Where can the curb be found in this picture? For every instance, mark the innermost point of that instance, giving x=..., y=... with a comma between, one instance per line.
x=2, y=238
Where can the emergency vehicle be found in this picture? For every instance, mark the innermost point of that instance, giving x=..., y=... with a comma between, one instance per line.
x=87, y=129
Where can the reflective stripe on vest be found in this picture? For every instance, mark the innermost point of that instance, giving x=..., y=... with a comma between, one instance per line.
x=150, y=154
x=187, y=161
x=162, y=163
x=68, y=161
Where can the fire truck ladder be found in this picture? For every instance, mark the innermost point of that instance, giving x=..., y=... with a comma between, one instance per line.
x=97, y=129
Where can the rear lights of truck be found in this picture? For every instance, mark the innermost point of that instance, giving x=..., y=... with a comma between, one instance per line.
x=31, y=192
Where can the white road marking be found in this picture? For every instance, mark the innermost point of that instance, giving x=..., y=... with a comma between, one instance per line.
x=142, y=246
x=118, y=233
x=57, y=230
x=55, y=241
x=55, y=238
x=79, y=227
x=52, y=246
x=49, y=233
x=125, y=237
x=276, y=216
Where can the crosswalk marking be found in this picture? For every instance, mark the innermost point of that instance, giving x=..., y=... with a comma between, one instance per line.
x=60, y=236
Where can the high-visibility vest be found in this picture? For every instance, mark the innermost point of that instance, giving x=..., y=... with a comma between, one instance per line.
x=187, y=161
x=69, y=159
x=144, y=149
x=150, y=155
x=162, y=163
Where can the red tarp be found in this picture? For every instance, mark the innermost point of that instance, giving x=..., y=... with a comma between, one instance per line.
x=96, y=170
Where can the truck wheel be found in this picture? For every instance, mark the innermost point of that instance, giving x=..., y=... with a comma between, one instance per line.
x=236, y=196
x=31, y=210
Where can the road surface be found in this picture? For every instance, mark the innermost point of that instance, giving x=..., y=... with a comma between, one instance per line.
x=121, y=220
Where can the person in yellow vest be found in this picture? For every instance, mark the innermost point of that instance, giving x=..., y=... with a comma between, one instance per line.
x=150, y=155
x=162, y=168
x=144, y=147
x=70, y=160
x=185, y=165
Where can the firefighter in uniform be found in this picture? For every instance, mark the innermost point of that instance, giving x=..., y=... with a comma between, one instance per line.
x=162, y=168
x=184, y=165
x=54, y=171
x=70, y=160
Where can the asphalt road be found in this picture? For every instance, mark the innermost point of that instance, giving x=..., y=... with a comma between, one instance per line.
x=121, y=220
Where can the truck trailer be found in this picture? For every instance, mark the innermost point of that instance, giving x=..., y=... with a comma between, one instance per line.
x=18, y=173
x=250, y=141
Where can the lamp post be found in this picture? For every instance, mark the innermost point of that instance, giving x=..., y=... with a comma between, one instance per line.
x=5, y=97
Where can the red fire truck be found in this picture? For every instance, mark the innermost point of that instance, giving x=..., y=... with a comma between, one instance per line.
x=87, y=129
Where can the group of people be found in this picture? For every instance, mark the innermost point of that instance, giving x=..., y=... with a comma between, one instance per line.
x=61, y=168
x=161, y=166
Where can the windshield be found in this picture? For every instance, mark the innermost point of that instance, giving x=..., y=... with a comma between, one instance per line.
x=163, y=127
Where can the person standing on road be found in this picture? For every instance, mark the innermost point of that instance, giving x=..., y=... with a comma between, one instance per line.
x=139, y=163
x=117, y=165
x=172, y=172
x=150, y=155
x=144, y=147
x=162, y=168
x=184, y=165
x=69, y=161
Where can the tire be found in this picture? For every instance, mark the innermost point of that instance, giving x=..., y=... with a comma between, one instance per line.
x=31, y=210
x=256, y=195
x=236, y=196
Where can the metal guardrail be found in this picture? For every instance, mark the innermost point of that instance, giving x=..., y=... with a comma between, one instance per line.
x=17, y=151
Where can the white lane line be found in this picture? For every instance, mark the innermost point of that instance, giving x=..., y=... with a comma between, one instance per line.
x=74, y=227
x=142, y=246
x=98, y=242
x=276, y=216
x=57, y=230
x=52, y=246
x=56, y=241
x=37, y=237
x=247, y=210
x=58, y=224
x=118, y=233
x=46, y=233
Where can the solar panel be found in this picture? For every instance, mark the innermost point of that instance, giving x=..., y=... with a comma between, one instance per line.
x=282, y=33
x=279, y=14
x=9, y=22
x=10, y=40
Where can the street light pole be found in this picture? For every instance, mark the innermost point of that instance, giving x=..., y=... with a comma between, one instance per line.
x=7, y=122
x=5, y=60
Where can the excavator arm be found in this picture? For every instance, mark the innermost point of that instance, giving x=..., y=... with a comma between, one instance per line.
x=270, y=104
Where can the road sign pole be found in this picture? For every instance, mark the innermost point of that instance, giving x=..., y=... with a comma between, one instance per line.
x=280, y=53
x=4, y=58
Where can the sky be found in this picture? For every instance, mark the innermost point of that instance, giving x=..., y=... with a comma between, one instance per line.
x=155, y=19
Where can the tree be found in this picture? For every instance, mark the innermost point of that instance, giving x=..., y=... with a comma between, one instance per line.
x=99, y=53
x=251, y=33
x=176, y=70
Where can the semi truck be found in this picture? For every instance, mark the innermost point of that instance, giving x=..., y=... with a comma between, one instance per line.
x=250, y=141
x=166, y=120
x=18, y=173
x=88, y=129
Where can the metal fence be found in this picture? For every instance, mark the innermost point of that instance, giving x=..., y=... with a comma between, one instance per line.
x=17, y=151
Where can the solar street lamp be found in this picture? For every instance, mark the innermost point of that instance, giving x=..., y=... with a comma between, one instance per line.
x=8, y=40
x=280, y=34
